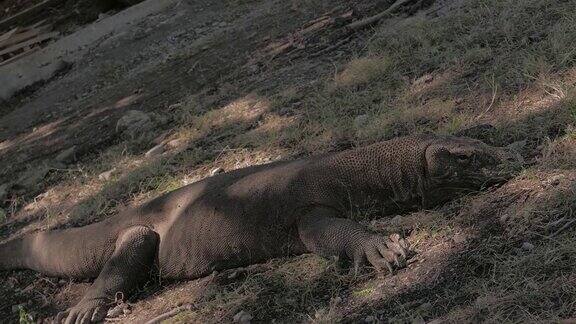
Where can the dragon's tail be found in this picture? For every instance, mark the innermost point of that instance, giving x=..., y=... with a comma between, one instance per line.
x=75, y=252
x=11, y=255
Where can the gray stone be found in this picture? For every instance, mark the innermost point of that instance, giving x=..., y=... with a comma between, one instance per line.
x=134, y=123
x=105, y=176
x=102, y=16
x=156, y=150
x=370, y=319
x=243, y=317
x=67, y=156
x=33, y=177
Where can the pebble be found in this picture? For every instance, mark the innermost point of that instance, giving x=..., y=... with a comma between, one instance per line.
x=370, y=319
x=243, y=317
x=134, y=123
x=67, y=156
x=33, y=177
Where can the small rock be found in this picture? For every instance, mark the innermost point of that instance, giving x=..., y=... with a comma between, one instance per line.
x=67, y=156
x=62, y=282
x=134, y=123
x=216, y=171
x=527, y=246
x=360, y=121
x=102, y=16
x=105, y=176
x=33, y=177
x=243, y=317
x=156, y=150
x=504, y=218
x=370, y=319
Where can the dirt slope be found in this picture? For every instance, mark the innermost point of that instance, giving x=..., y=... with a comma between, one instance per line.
x=227, y=84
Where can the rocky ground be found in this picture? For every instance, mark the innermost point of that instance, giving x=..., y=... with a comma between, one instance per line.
x=205, y=86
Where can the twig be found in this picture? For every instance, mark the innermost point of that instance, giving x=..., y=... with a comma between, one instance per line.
x=568, y=224
x=366, y=22
x=169, y=314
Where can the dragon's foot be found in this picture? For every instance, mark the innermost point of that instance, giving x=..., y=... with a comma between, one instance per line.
x=86, y=311
x=384, y=253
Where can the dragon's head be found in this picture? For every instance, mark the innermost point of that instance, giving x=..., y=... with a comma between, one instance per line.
x=461, y=163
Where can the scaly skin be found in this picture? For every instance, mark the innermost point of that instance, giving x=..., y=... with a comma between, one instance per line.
x=257, y=213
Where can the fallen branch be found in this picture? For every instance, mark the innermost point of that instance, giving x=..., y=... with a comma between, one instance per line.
x=167, y=315
x=367, y=22
x=331, y=48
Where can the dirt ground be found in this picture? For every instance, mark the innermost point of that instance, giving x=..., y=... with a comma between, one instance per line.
x=227, y=84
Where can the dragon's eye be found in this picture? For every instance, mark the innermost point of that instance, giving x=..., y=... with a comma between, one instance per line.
x=462, y=158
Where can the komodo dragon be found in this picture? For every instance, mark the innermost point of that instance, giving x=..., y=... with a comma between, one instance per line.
x=257, y=213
